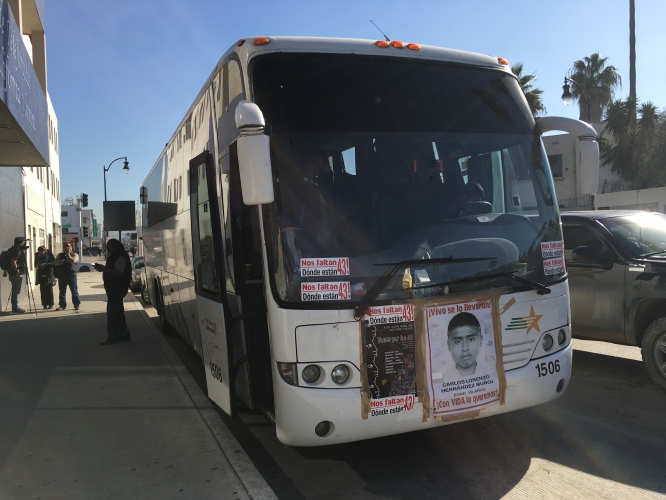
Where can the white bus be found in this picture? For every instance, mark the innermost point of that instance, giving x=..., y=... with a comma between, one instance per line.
x=362, y=238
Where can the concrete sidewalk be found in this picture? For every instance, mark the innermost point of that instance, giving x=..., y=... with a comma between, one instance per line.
x=84, y=421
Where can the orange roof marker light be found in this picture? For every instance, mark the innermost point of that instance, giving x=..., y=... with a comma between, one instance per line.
x=240, y=42
x=397, y=45
x=501, y=60
x=262, y=40
x=413, y=46
x=382, y=43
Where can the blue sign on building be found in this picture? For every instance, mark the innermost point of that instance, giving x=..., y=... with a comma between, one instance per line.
x=23, y=103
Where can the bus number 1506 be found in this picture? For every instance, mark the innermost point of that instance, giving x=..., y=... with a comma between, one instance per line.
x=548, y=368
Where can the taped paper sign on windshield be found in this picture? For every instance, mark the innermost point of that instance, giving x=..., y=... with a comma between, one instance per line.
x=554, y=266
x=389, y=359
x=328, y=290
x=338, y=266
x=462, y=354
x=550, y=249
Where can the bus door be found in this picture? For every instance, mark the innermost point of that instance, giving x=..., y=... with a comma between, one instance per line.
x=245, y=291
x=208, y=280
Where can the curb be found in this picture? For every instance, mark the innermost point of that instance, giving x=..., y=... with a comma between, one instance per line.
x=255, y=485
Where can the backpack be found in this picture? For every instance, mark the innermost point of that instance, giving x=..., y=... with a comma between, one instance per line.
x=6, y=260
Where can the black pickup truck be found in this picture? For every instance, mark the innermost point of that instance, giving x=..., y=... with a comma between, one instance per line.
x=616, y=262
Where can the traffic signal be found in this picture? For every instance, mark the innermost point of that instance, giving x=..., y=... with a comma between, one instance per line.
x=85, y=232
x=74, y=240
x=84, y=200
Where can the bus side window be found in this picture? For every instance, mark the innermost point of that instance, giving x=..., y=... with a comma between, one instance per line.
x=235, y=81
x=205, y=259
x=226, y=223
x=220, y=91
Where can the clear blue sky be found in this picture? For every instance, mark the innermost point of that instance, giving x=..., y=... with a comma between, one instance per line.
x=122, y=74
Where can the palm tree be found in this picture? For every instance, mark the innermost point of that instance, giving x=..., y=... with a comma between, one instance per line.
x=598, y=82
x=533, y=95
x=627, y=153
x=632, y=49
x=632, y=55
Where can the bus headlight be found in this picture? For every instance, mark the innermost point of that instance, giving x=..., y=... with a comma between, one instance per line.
x=287, y=372
x=561, y=337
x=340, y=374
x=547, y=342
x=311, y=373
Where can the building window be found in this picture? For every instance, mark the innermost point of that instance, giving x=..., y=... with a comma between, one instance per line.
x=555, y=162
x=63, y=214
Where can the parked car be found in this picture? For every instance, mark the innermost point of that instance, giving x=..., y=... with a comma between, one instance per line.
x=83, y=267
x=137, y=268
x=617, y=279
x=92, y=251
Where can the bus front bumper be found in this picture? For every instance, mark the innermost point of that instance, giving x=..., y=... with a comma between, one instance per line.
x=298, y=410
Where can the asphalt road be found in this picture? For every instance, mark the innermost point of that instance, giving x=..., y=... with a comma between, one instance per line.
x=605, y=438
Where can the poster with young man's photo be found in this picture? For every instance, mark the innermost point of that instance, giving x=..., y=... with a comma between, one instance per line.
x=462, y=357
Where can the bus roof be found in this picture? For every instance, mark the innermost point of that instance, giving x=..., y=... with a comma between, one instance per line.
x=364, y=47
x=248, y=50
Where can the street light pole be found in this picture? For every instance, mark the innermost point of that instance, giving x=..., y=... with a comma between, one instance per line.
x=106, y=169
x=566, y=97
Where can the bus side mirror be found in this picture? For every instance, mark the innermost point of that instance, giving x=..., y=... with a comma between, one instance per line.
x=254, y=157
x=587, y=159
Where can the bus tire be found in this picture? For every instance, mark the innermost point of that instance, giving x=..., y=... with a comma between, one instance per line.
x=145, y=296
x=159, y=306
x=653, y=351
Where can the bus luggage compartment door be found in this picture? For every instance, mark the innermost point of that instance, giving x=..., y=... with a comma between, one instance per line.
x=216, y=347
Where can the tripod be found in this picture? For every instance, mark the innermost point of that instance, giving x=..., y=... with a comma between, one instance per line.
x=21, y=264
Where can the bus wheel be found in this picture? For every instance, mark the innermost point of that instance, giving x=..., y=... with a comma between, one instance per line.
x=164, y=324
x=653, y=350
x=145, y=296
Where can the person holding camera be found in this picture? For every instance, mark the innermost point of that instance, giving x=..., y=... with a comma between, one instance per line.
x=15, y=270
x=66, y=274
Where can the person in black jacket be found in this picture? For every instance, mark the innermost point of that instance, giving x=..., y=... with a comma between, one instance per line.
x=17, y=270
x=117, y=275
x=44, y=260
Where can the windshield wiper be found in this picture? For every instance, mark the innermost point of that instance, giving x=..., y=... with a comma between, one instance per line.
x=653, y=253
x=385, y=278
x=534, y=285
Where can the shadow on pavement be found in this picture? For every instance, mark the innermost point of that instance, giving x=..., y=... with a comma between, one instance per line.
x=604, y=438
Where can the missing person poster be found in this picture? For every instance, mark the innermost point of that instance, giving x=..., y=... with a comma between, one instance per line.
x=389, y=359
x=462, y=357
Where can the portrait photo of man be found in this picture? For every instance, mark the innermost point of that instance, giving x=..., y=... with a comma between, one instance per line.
x=464, y=342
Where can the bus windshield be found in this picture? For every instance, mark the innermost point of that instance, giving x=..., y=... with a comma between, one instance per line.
x=379, y=160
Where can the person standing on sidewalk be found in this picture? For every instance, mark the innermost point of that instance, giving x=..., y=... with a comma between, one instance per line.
x=44, y=260
x=66, y=274
x=117, y=275
x=17, y=269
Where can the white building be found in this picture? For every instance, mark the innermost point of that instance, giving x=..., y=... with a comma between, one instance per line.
x=29, y=173
x=653, y=200
x=41, y=196
x=71, y=217
x=561, y=150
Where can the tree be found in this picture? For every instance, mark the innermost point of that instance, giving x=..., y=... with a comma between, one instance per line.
x=598, y=82
x=632, y=49
x=636, y=151
x=533, y=95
